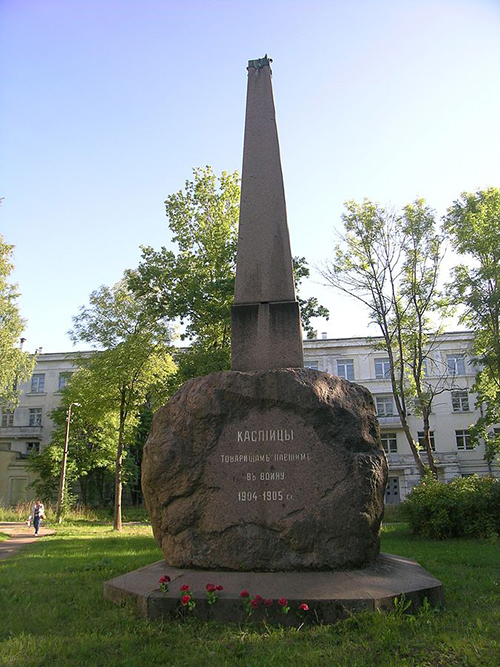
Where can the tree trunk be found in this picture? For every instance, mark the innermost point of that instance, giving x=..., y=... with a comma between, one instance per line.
x=117, y=522
x=398, y=394
x=413, y=447
x=427, y=443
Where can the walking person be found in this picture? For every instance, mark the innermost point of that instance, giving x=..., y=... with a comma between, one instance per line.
x=36, y=516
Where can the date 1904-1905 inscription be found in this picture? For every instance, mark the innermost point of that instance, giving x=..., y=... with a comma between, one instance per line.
x=249, y=496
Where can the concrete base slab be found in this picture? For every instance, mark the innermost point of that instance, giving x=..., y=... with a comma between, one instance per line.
x=330, y=596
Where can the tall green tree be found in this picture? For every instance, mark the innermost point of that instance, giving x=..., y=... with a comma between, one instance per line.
x=473, y=225
x=390, y=261
x=195, y=283
x=16, y=366
x=133, y=363
x=92, y=442
x=419, y=314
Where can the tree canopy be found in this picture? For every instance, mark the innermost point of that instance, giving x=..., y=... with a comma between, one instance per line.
x=195, y=283
x=473, y=225
x=390, y=261
x=16, y=366
x=131, y=368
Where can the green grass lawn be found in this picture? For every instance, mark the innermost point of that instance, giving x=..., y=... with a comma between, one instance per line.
x=52, y=612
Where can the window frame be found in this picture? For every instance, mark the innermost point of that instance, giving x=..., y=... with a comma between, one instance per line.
x=66, y=376
x=37, y=380
x=385, y=399
x=7, y=418
x=36, y=413
x=457, y=357
x=391, y=438
x=347, y=364
x=462, y=436
x=457, y=400
x=420, y=440
x=386, y=374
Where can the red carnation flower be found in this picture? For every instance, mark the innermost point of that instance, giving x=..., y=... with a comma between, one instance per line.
x=244, y=594
x=283, y=602
x=254, y=603
x=210, y=588
x=184, y=587
x=258, y=598
x=165, y=579
x=268, y=602
x=185, y=599
x=304, y=607
x=219, y=588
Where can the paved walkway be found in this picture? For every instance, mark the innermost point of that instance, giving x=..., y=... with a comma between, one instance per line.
x=20, y=535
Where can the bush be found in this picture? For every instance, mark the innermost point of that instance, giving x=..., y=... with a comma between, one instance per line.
x=466, y=507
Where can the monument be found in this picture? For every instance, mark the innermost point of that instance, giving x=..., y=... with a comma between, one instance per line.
x=269, y=477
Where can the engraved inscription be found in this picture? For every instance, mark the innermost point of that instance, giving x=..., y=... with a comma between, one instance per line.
x=268, y=465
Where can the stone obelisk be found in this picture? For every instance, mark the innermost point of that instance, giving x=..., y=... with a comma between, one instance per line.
x=265, y=318
x=269, y=477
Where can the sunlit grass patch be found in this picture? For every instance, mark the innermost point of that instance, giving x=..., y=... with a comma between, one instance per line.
x=53, y=611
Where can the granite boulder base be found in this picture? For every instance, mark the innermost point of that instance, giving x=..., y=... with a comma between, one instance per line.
x=278, y=470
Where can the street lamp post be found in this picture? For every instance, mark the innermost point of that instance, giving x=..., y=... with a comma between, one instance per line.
x=62, y=481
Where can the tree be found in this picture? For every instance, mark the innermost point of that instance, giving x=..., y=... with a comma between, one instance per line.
x=93, y=442
x=390, y=262
x=16, y=366
x=134, y=363
x=421, y=300
x=195, y=285
x=473, y=225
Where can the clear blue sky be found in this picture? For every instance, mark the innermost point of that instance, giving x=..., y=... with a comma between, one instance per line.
x=107, y=105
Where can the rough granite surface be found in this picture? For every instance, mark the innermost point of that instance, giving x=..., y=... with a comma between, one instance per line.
x=272, y=470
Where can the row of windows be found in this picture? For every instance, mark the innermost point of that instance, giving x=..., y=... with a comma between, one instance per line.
x=455, y=365
x=386, y=408
x=38, y=382
x=384, y=404
x=35, y=417
x=462, y=440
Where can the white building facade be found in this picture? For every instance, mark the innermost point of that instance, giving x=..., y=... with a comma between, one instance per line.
x=28, y=428
x=449, y=366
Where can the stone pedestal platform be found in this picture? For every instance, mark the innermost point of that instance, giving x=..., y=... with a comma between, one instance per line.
x=330, y=596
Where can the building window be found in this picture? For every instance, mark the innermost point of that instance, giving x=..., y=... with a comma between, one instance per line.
x=35, y=417
x=38, y=383
x=32, y=447
x=389, y=443
x=382, y=368
x=460, y=401
x=463, y=440
x=421, y=440
x=7, y=417
x=456, y=364
x=345, y=368
x=64, y=378
x=385, y=406
x=313, y=365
